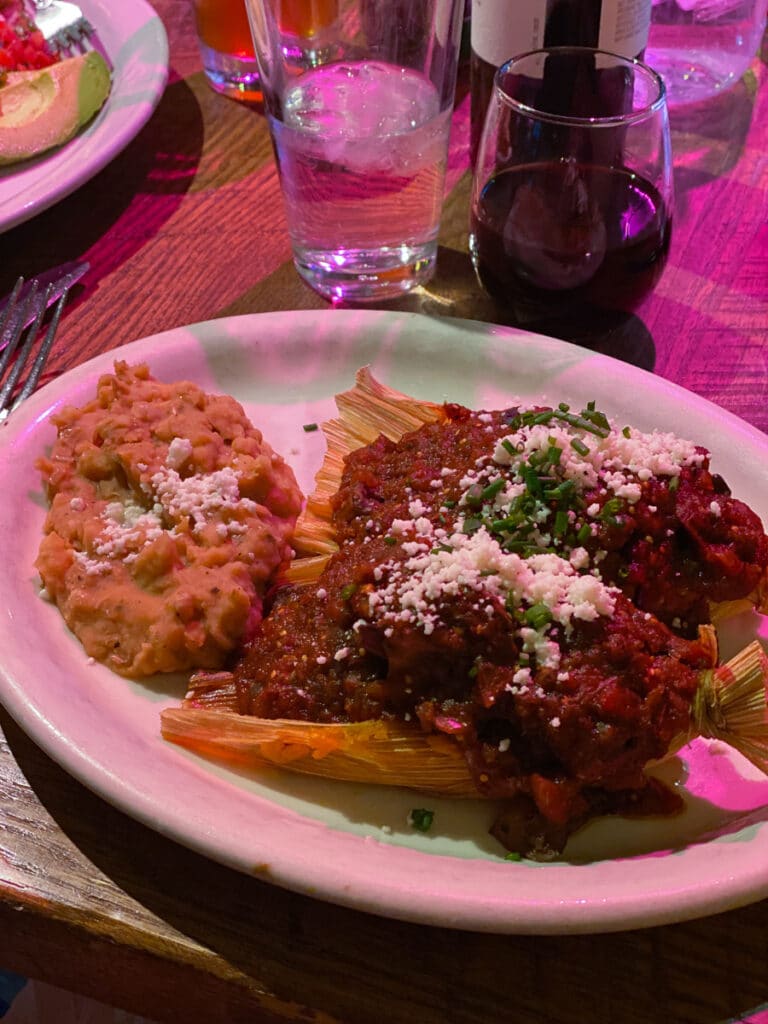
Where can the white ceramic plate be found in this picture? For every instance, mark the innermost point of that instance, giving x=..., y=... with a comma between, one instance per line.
x=345, y=843
x=135, y=40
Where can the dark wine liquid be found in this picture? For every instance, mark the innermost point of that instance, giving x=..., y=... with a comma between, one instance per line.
x=553, y=237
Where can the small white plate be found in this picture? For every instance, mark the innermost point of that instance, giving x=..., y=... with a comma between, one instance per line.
x=135, y=40
x=345, y=843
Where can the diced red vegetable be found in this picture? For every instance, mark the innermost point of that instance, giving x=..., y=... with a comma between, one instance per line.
x=22, y=46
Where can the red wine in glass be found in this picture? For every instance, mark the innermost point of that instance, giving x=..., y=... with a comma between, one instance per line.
x=560, y=235
x=572, y=191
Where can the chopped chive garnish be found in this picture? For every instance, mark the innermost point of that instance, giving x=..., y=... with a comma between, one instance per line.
x=390, y=541
x=590, y=406
x=517, y=547
x=474, y=496
x=507, y=445
x=609, y=511
x=348, y=590
x=599, y=418
x=502, y=525
x=309, y=427
x=531, y=479
x=471, y=524
x=627, y=432
x=561, y=523
x=449, y=503
x=579, y=447
x=562, y=491
x=564, y=407
x=492, y=489
x=421, y=819
x=538, y=615
x=594, y=422
x=674, y=483
x=585, y=532
x=542, y=417
x=513, y=856
x=611, y=507
x=582, y=423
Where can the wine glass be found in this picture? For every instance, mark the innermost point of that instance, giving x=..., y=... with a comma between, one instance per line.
x=572, y=191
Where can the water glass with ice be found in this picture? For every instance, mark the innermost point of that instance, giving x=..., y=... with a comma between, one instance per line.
x=359, y=95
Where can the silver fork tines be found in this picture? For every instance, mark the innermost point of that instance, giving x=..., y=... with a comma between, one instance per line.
x=12, y=323
x=24, y=306
x=65, y=28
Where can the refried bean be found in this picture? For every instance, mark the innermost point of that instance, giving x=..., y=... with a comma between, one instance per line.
x=169, y=517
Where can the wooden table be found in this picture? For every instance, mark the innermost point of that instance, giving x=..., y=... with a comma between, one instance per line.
x=187, y=225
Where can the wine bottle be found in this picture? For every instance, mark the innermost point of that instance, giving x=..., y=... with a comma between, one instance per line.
x=505, y=28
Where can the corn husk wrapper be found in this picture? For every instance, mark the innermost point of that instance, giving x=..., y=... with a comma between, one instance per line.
x=756, y=601
x=730, y=704
x=382, y=752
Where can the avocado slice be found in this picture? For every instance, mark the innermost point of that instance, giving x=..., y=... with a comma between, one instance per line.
x=42, y=109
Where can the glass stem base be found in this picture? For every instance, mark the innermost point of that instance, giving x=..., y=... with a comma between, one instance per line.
x=690, y=78
x=366, y=275
x=232, y=75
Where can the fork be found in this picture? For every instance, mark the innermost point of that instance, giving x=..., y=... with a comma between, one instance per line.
x=12, y=323
x=65, y=28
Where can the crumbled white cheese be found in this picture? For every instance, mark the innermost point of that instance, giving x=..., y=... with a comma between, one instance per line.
x=179, y=451
x=620, y=463
x=199, y=496
x=579, y=558
x=414, y=590
x=129, y=525
x=436, y=564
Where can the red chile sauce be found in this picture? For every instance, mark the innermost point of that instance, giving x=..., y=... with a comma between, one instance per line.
x=575, y=742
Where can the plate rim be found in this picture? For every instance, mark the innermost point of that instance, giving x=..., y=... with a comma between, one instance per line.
x=412, y=896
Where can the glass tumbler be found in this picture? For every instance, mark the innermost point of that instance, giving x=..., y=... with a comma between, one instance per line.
x=572, y=193
x=226, y=48
x=702, y=47
x=359, y=96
